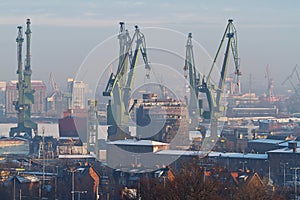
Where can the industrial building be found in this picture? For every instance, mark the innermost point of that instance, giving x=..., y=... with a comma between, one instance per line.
x=161, y=119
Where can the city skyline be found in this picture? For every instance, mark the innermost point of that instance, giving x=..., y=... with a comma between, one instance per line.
x=64, y=33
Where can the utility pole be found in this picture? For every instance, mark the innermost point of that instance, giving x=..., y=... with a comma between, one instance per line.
x=73, y=184
x=269, y=172
x=55, y=192
x=204, y=174
x=15, y=187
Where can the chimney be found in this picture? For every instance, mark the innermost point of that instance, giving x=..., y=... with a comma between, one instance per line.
x=293, y=145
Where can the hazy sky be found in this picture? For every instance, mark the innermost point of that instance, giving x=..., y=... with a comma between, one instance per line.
x=64, y=32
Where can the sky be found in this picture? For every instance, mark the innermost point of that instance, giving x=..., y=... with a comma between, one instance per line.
x=65, y=32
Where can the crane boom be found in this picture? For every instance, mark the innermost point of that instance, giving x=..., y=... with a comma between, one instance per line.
x=206, y=87
x=290, y=79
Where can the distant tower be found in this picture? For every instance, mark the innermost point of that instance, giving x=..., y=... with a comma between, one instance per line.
x=77, y=90
x=270, y=89
x=26, y=98
x=92, y=132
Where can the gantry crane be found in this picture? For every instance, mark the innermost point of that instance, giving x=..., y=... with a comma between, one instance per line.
x=213, y=94
x=25, y=92
x=194, y=83
x=119, y=85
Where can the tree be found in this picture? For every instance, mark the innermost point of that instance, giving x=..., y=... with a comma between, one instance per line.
x=189, y=183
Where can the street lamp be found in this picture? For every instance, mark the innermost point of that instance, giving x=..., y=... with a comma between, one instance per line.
x=284, y=181
x=269, y=174
x=243, y=162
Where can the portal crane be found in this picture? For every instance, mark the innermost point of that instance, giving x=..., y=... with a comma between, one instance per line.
x=119, y=85
x=194, y=82
x=214, y=100
x=25, y=92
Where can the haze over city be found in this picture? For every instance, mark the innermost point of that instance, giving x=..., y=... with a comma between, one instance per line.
x=64, y=32
x=141, y=99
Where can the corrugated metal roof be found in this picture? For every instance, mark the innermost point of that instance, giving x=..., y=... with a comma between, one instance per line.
x=267, y=141
x=239, y=155
x=284, y=150
x=213, y=154
x=138, y=142
x=180, y=152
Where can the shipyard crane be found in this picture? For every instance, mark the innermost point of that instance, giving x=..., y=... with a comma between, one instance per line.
x=270, y=89
x=54, y=94
x=53, y=83
x=25, y=92
x=120, y=84
x=290, y=79
x=194, y=82
x=213, y=94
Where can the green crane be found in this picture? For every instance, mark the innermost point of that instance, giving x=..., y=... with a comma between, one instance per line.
x=214, y=95
x=25, y=93
x=119, y=85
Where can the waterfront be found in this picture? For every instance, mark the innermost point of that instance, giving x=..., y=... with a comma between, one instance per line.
x=51, y=129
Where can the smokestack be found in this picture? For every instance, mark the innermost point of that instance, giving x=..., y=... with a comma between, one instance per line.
x=293, y=145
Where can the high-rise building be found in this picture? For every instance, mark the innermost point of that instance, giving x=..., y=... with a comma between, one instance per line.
x=37, y=108
x=77, y=90
x=2, y=97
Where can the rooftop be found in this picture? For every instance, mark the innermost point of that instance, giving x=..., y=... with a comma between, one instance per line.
x=135, y=142
x=267, y=141
x=239, y=155
x=180, y=153
x=286, y=143
x=213, y=154
x=79, y=156
x=284, y=150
